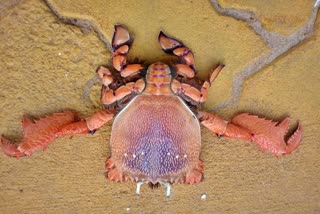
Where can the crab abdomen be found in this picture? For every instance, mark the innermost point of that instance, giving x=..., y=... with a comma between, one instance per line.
x=156, y=139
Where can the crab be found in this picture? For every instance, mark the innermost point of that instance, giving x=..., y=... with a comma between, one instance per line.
x=156, y=113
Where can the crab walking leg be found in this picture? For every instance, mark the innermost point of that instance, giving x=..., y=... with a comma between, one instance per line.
x=196, y=95
x=105, y=76
x=269, y=135
x=121, y=42
x=173, y=46
x=39, y=133
x=208, y=82
x=109, y=96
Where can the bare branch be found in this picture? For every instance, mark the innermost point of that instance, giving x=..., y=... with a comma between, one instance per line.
x=87, y=25
x=90, y=83
x=83, y=23
x=277, y=43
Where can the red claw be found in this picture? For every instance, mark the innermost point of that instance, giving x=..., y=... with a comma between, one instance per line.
x=269, y=135
x=10, y=149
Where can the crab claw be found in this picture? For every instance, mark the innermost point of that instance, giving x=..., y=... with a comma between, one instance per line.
x=37, y=134
x=269, y=135
x=9, y=148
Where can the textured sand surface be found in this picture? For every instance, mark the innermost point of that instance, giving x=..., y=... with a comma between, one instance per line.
x=44, y=66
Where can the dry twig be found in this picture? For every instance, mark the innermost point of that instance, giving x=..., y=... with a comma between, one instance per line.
x=83, y=23
x=87, y=25
x=277, y=43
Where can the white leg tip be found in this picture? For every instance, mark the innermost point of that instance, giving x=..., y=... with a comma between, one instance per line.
x=168, y=189
x=138, y=187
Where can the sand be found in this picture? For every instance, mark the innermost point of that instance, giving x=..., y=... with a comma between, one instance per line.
x=45, y=64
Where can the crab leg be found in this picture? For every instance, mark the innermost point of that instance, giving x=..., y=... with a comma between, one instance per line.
x=196, y=95
x=173, y=46
x=108, y=95
x=121, y=42
x=186, y=69
x=38, y=134
x=267, y=134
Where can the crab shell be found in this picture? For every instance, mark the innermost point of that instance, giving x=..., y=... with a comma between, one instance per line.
x=156, y=138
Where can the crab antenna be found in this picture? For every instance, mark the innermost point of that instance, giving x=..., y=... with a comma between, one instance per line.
x=168, y=187
x=138, y=187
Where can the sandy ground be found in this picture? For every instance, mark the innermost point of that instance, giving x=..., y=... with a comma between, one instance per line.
x=44, y=66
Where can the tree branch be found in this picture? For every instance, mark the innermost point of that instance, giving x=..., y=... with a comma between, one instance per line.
x=83, y=23
x=277, y=43
x=87, y=25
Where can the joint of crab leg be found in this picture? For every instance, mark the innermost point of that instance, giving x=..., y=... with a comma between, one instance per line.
x=138, y=187
x=168, y=189
x=186, y=54
x=131, y=69
x=191, y=92
x=98, y=119
x=107, y=96
x=140, y=85
x=182, y=51
x=215, y=73
x=124, y=49
x=185, y=70
x=213, y=123
x=188, y=90
x=175, y=86
x=119, y=61
x=124, y=90
x=189, y=59
x=221, y=127
x=92, y=132
x=204, y=91
x=207, y=84
x=105, y=75
x=131, y=87
x=79, y=127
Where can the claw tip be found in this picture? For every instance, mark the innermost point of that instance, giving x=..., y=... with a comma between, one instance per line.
x=161, y=34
